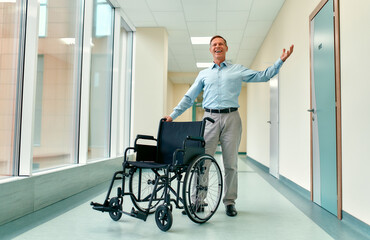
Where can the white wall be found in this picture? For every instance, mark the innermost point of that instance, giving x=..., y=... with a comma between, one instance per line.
x=292, y=26
x=175, y=93
x=355, y=62
x=150, y=80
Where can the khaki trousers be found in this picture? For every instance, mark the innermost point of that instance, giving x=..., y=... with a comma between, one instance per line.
x=227, y=130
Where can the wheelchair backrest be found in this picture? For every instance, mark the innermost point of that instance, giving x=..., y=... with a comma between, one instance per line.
x=171, y=136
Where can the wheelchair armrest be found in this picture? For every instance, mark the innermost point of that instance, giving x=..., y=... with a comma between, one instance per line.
x=191, y=138
x=147, y=137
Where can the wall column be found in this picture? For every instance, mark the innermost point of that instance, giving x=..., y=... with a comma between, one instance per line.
x=149, y=80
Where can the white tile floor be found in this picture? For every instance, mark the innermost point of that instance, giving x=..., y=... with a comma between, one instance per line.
x=263, y=213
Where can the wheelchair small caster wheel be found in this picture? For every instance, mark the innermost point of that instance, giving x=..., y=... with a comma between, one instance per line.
x=163, y=218
x=116, y=205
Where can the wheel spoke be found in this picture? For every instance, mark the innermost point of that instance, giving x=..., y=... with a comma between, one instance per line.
x=202, y=189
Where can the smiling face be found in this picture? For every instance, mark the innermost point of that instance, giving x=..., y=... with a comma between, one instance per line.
x=218, y=50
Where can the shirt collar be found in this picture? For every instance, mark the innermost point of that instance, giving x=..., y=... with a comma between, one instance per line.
x=223, y=64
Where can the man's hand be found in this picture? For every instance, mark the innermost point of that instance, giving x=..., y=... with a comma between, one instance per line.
x=286, y=54
x=168, y=118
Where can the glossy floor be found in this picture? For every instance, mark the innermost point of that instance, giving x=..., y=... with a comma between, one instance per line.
x=266, y=210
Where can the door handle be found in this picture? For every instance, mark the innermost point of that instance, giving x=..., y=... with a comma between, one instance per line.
x=311, y=110
x=269, y=122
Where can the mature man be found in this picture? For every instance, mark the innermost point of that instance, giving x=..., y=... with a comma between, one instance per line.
x=222, y=84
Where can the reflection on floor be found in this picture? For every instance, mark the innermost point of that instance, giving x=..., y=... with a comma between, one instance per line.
x=266, y=210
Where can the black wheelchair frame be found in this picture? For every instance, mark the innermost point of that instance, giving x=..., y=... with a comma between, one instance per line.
x=179, y=151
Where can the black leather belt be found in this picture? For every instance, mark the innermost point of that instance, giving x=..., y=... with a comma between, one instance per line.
x=225, y=110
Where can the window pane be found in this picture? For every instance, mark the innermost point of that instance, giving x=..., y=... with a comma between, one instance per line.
x=124, y=105
x=101, y=81
x=10, y=14
x=42, y=20
x=57, y=86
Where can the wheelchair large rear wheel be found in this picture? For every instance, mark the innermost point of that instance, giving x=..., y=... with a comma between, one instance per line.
x=141, y=186
x=202, y=189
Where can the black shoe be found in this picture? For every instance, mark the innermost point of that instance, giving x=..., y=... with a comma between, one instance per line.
x=197, y=209
x=231, y=211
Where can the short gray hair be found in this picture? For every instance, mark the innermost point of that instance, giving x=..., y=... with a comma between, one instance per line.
x=217, y=36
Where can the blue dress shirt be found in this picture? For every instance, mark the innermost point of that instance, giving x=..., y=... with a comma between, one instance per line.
x=222, y=85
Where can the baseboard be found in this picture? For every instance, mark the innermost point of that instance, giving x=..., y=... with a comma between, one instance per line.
x=259, y=165
x=300, y=190
x=355, y=223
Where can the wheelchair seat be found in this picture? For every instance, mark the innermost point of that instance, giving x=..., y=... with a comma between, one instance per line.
x=176, y=155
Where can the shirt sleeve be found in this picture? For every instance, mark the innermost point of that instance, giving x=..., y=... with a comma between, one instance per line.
x=189, y=98
x=262, y=76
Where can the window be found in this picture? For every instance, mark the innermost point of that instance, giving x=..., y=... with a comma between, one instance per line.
x=58, y=84
x=10, y=79
x=101, y=81
x=103, y=10
x=124, y=85
x=43, y=18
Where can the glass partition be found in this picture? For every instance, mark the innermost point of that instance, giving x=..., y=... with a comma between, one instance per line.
x=11, y=14
x=57, y=84
x=101, y=80
x=125, y=78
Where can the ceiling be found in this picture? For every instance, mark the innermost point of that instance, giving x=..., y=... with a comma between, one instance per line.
x=243, y=23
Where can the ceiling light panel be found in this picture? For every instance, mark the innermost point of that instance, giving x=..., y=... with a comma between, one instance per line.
x=200, y=40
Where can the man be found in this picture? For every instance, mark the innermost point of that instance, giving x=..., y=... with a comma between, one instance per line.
x=222, y=84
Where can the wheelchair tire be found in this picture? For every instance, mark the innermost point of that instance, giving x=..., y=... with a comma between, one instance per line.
x=202, y=189
x=141, y=187
x=116, y=204
x=163, y=218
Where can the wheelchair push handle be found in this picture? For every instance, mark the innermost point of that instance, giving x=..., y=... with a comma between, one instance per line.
x=204, y=120
x=208, y=119
x=204, y=123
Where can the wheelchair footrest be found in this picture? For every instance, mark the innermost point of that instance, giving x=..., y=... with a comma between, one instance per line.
x=101, y=207
x=138, y=214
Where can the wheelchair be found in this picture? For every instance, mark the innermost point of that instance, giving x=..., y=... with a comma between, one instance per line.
x=170, y=170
